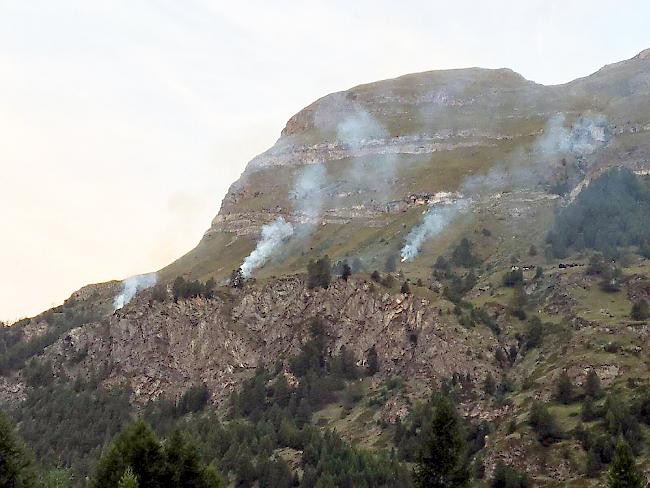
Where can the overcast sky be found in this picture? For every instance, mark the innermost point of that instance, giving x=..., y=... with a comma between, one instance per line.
x=122, y=123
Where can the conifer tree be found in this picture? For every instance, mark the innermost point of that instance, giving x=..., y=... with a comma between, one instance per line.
x=128, y=479
x=441, y=456
x=564, y=389
x=16, y=464
x=592, y=384
x=373, y=361
x=623, y=472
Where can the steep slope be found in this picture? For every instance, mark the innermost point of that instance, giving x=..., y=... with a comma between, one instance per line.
x=483, y=155
x=386, y=143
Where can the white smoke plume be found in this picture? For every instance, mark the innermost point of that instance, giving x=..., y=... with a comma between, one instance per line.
x=358, y=128
x=273, y=235
x=435, y=220
x=307, y=193
x=588, y=133
x=131, y=286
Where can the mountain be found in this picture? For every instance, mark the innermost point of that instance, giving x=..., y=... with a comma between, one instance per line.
x=450, y=185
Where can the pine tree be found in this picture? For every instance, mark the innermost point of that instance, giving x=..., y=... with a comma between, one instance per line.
x=640, y=310
x=346, y=271
x=406, y=289
x=441, y=456
x=137, y=447
x=128, y=479
x=564, y=389
x=592, y=384
x=373, y=361
x=623, y=472
x=16, y=464
x=490, y=385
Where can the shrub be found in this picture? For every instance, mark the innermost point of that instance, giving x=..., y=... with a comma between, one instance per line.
x=513, y=277
x=319, y=273
x=640, y=310
x=508, y=477
x=544, y=424
x=564, y=389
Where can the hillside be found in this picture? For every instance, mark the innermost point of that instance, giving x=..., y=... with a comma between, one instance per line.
x=458, y=200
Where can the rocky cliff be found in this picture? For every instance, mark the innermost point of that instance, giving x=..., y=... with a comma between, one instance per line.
x=352, y=175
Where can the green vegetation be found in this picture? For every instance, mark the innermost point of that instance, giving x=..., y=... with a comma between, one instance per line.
x=15, y=352
x=640, y=310
x=441, y=455
x=137, y=454
x=85, y=416
x=319, y=273
x=508, y=477
x=16, y=465
x=544, y=424
x=183, y=289
x=611, y=212
x=623, y=473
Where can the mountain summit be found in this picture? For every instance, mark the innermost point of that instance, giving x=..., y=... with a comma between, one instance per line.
x=462, y=237
x=368, y=155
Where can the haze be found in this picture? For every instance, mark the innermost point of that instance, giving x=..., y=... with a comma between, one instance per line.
x=122, y=124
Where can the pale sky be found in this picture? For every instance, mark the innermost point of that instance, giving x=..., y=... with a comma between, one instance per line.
x=122, y=123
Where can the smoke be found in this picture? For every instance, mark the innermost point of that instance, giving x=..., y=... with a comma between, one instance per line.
x=360, y=128
x=435, y=220
x=273, y=235
x=308, y=189
x=131, y=286
x=587, y=135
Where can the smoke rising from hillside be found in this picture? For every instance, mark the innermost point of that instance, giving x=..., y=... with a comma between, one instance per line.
x=273, y=235
x=434, y=222
x=588, y=134
x=131, y=286
x=358, y=128
x=307, y=192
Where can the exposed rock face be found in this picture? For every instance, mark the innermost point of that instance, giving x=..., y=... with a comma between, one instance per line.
x=426, y=133
x=169, y=347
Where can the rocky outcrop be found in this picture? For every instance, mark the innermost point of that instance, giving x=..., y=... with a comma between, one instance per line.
x=166, y=348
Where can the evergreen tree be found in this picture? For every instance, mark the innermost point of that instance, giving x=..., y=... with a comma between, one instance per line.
x=534, y=333
x=564, y=389
x=346, y=271
x=406, y=289
x=544, y=423
x=592, y=384
x=128, y=479
x=441, y=457
x=623, y=472
x=508, y=477
x=319, y=273
x=490, y=385
x=137, y=447
x=640, y=310
x=588, y=411
x=375, y=276
x=57, y=478
x=373, y=361
x=16, y=464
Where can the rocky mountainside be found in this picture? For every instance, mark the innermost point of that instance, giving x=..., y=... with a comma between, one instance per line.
x=359, y=165
x=445, y=183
